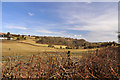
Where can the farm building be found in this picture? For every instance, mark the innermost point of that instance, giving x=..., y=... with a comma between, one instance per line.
x=1, y=34
x=1, y=38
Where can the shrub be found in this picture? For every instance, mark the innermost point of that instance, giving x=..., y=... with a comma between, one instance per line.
x=50, y=45
x=18, y=38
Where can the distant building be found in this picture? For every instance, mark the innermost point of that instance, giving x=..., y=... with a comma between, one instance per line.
x=3, y=38
x=2, y=34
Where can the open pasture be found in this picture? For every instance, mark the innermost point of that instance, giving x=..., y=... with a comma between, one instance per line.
x=10, y=48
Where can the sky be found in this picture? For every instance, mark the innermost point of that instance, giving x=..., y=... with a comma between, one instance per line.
x=60, y=0
x=92, y=21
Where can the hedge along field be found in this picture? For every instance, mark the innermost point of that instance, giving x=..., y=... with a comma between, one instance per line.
x=98, y=65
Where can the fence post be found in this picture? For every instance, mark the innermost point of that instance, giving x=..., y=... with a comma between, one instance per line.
x=68, y=54
x=96, y=52
x=68, y=58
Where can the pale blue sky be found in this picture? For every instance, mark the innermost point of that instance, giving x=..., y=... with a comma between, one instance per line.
x=60, y=0
x=96, y=21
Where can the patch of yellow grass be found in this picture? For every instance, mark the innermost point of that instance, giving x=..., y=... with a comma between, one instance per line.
x=18, y=48
x=15, y=48
x=32, y=41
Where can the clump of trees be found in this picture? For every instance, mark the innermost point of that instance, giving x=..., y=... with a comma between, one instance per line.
x=37, y=37
x=18, y=37
x=72, y=43
x=8, y=36
x=21, y=37
x=69, y=42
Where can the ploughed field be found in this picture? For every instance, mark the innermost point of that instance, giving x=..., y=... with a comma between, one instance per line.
x=59, y=65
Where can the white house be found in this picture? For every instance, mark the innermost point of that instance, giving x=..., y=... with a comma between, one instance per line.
x=1, y=38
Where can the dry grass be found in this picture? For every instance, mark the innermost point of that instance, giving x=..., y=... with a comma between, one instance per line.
x=32, y=41
x=15, y=48
x=28, y=48
x=98, y=65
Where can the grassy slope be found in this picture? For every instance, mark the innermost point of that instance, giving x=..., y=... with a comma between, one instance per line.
x=17, y=48
x=22, y=49
x=32, y=41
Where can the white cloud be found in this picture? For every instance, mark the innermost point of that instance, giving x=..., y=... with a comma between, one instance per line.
x=101, y=26
x=44, y=31
x=74, y=36
x=59, y=33
x=30, y=14
x=50, y=32
x=16, y=27
x=106, y=22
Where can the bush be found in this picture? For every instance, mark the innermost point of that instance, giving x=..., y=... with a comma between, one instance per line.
x=50, y=45
x=60, y=47
x=25, y=38
x=18, y=38
x=37, y=37
x=8, y=38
